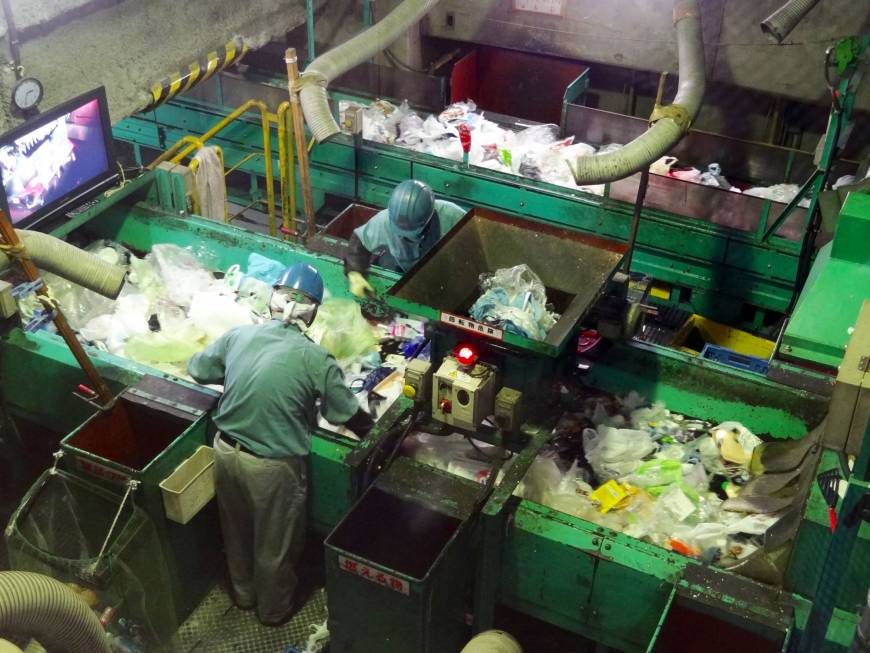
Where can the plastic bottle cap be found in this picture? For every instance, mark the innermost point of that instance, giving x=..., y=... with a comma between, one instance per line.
x=409, y=391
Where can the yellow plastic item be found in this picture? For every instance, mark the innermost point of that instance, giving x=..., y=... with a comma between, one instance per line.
x=724, y=336
x=409, y=391
x=611, y=495
x=660, y=291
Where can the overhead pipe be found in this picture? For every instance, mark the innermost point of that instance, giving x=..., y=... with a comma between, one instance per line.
x=45, y=609
x=312, y=84
x=780, y=23
x=73, y=264
x=668, y=123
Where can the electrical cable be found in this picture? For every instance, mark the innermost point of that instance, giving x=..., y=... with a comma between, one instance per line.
x=367, y=474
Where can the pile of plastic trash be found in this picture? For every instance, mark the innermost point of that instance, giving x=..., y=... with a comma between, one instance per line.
x=175, y=303
x=515, y=299
x=639, y=469
x=537, y=152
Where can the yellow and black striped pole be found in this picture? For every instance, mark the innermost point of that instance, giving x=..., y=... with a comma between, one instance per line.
x=197, y=72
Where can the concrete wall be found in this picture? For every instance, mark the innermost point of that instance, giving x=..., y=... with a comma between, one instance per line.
x=127, y=45
x=639, y=34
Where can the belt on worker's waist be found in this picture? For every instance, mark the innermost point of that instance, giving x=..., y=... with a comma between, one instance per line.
x=235, y=443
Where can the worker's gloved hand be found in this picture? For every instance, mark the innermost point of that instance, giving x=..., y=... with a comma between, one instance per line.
x=359, y=285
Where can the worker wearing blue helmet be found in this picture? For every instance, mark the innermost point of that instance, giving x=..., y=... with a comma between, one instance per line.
x=273, y=375
x=400, y=235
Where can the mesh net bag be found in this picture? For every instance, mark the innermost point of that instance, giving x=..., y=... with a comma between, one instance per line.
x=60, y=529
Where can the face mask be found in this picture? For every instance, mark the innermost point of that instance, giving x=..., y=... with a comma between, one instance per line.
x=292, y=306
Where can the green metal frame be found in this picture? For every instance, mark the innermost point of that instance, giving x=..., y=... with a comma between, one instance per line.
x=694, y=255
x=566, y=571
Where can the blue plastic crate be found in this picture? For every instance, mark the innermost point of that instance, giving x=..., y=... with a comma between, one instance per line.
x=734, y=359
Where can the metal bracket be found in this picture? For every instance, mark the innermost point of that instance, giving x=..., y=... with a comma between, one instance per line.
x=864, y=364
x=136, y=392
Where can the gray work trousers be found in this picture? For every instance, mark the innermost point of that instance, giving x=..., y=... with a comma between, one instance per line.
x=262, y=505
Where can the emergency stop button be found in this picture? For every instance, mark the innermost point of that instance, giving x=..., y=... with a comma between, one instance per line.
x=445, y=406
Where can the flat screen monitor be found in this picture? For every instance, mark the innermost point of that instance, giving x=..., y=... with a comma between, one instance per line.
x=58, y=160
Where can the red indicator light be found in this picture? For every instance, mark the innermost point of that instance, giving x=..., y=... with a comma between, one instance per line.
x=465, y=355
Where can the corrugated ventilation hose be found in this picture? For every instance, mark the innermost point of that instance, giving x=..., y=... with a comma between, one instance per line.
x=492, y=641
x=671, y=122
x=45, y=609
x=58, y=257
x=312, y=83
x=781, y=22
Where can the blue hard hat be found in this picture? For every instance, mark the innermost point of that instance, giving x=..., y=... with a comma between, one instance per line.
x=304, y=278
x=411, y=207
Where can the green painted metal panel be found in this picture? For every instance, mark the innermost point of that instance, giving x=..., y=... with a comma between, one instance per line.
x=677, y=238
x=853, y=230
x=762, y=261
x=561, y=587
x=626, y=604
x=384, y=167
x=330, y=489
x=838, y=283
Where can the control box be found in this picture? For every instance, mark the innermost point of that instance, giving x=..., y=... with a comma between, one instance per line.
x=463, y=395
x=418, y=380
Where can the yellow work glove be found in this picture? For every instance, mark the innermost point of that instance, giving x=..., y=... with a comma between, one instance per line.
x=359, y=285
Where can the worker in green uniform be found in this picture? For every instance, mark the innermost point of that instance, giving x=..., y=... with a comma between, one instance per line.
x=273, y=376
x=400, y=235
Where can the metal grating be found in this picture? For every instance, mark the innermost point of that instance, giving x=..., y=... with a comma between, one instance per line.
x=217, y=626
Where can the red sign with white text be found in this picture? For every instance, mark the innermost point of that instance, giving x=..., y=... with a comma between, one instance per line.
x=374, y=575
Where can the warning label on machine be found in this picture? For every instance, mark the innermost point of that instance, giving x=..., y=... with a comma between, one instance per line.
x=471, y=325
x=374, y=575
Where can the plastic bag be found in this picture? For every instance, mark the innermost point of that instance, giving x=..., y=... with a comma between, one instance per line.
x=515, y=299
x=614, y=453
x=162, y=348
x=255, y=295
x=783, y=193
x=457, y=112
x=264, y=269
x=181, y=272
x=216, y=314
x=341, y=329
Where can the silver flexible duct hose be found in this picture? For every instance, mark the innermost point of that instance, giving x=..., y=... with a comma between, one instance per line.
x=45, y=609
x=58, y=257
x=675, y=120
x=312, y=83
x=781, y=22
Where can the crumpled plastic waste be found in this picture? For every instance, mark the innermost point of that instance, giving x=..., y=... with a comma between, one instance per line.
x=129, y=318
x=515, y=299
x=181, y=273
x=736, y=443
x=713, y=177
x=783, y=193
x=216, y=314
x=341, y=329
x=614, y=453
x=168, y=351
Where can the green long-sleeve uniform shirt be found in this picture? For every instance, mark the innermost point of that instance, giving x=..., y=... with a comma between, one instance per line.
x=272, y=376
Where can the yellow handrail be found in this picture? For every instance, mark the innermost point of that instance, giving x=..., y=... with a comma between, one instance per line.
x=287, y=171
x=176, y=154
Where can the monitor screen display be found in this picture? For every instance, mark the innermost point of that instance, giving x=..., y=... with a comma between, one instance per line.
x=57, y=159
